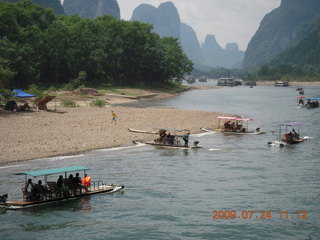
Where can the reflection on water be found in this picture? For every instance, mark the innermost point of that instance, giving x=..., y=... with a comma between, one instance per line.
x=171, y=193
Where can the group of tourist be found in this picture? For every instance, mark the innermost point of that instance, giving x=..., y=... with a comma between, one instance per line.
x=291, y=137
x=63, y=186
x=232, y=126
x=170, y=139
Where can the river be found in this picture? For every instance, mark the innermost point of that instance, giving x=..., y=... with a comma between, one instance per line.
x=236, y=187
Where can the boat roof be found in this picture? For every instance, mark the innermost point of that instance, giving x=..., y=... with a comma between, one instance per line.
x=235, y=118
x=293, y=124
x=52, y=171
x=312, y=98
x=300, y=97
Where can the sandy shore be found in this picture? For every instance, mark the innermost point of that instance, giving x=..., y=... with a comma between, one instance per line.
x=30, y=135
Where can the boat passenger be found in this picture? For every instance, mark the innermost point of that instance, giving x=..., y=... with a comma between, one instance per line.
x=77, y=180
x=29, y=189
x=61, y=186
x=227, y=124
x=86, y=182
x=186, y=139
x=40, y=190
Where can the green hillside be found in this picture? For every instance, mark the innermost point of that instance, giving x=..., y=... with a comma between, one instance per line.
x=281, y=29
x=53, y=4
x=306, y=53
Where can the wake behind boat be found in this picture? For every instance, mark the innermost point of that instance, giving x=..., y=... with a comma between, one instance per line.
x=49, y=192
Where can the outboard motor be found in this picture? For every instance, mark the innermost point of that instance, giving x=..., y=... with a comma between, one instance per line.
x=195, y=143
x=3, y=198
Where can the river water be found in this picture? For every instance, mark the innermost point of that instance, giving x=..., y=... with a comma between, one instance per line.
x=177, y=194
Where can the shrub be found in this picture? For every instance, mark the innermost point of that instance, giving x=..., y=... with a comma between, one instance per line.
x=68, y=103
x=98, y=103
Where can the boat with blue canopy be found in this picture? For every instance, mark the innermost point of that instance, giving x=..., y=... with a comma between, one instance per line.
x=312, y=102
x=50, y=192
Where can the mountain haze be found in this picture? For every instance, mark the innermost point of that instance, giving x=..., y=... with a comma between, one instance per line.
x=165, y=19
x=166, y=22
x=281, y=29
x=306, y=53
x=92, y=8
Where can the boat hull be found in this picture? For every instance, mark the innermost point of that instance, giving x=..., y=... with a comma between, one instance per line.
x=240, y=133
x=171, y=146
x=20, y=204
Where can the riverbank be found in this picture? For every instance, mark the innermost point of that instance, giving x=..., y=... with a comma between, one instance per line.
x=300, y=84
x=31, y=134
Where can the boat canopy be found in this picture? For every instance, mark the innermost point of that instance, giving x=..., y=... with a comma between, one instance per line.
x=236, y=118
x=228, y=118
x=52, y=171
x=244, y=119
x=293, y=124
x=173, y=130
x=312, y=98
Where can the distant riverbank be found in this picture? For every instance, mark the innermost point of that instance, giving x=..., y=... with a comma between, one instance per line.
x=291, y=83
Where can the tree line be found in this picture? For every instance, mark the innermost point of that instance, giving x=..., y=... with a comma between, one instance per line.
x=39, y=47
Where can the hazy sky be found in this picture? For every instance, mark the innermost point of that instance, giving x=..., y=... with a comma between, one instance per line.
x=229, y=20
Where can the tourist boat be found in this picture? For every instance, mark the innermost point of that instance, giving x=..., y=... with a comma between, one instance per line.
x=251, y=84
x=308, y=102
x=300, y=101
x=171, y=138
x=236, y=126
x=49, y=193
x=281, y=84
x=290, y=136
x=300, y=90
x=312, y=102
x=226, y=81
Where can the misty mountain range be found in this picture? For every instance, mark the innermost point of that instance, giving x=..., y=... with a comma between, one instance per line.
x=288, y=34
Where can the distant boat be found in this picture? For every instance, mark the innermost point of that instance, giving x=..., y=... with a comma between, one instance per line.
x=281, y=84
x=226, y=81
x=300, y=90
x=203, y=79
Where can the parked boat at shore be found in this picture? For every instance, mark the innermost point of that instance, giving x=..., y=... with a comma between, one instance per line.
x=281, y=84
x=49, y=192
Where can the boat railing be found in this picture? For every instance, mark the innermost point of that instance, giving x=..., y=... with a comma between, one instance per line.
x=96, y=185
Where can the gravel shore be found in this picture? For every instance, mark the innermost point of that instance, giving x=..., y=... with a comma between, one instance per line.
x=33, y=134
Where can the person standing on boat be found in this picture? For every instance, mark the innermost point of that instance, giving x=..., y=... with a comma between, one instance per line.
x=186, y=139
x=114, y=116
x=86, y=182
x=29, y=189
x=77, y=180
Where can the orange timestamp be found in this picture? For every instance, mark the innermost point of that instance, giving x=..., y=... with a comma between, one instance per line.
x=263, y=214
